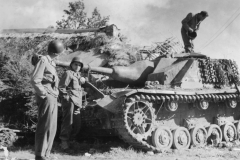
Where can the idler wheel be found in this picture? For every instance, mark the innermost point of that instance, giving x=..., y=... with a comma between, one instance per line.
x=172, y=106
x=229, y=132
x=162, y=138
x=203, y=104
x=198, y=136
x=139, y=119
x=181, y=138
x=214, y=134
x=231, y=103
x=237, y=125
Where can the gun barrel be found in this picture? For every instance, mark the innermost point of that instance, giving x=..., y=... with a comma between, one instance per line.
x=99, y=69
x=109, y=30
x=70, y=31
x=62, y=64
x=135, y=73
x=87, y=68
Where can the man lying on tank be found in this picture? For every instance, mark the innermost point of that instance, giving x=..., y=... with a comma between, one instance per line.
x=71, y=96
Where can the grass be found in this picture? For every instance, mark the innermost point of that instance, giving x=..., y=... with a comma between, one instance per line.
x=115, y=149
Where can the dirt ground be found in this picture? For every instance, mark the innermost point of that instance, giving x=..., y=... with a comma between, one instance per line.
x=115, y=149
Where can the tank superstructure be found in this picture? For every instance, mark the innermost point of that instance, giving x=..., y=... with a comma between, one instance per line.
x=169, y=102
x=172, y=101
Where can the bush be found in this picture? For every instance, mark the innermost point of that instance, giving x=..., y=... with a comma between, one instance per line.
x=17, y=105
x=17, y=99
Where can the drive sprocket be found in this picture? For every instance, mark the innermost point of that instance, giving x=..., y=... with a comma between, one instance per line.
x=139, y=118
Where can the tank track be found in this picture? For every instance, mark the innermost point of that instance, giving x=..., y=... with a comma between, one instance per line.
x=143, y=142
x=126, y=135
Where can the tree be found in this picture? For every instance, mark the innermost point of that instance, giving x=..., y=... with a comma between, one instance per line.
x=76, y=17
x=96, y=21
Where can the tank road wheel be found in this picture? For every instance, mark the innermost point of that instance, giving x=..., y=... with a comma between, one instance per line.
x=139, y=119
x=181, y=138
x=231, y=103
x=172, y=106
x=229, y=132
x=198, y=136
x=214, y=134
x=237, y=125
x=162, y=138
x=203, y=104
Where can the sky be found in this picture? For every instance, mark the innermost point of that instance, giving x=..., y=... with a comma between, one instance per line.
x=144, y=22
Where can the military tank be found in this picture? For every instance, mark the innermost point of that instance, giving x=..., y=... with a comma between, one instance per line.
x=171, y=102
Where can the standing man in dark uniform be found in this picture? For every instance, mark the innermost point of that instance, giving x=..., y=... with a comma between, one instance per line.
x=45, y=83
x=190, y=25
x=71, y=93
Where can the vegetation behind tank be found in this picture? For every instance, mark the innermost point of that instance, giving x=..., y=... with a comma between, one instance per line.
x=16, y=51
x=15, y=67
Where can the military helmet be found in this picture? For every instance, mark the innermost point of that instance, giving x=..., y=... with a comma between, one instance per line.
x=77, y=59
x=55, y=46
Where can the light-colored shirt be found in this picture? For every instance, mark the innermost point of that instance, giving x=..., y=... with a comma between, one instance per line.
x=44, y=77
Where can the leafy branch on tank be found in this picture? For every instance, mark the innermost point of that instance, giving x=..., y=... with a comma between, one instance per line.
x=221, y=72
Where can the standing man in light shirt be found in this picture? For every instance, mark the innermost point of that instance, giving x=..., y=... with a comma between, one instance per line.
x=45, y=81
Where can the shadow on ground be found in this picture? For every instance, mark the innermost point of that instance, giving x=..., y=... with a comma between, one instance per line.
x=79, y=147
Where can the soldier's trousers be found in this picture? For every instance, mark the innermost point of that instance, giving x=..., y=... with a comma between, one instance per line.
x=188, y=43
x=71, y=123
x=46, y=126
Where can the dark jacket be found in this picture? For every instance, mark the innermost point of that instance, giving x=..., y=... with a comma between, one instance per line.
x=191, y=21
x=70, y=85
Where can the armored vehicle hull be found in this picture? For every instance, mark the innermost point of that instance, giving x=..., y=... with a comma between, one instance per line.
x=182, y=101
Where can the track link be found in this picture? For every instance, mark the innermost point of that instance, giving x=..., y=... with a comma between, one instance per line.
x=140, y=142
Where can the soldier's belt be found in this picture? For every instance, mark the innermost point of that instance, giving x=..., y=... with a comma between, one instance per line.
x=74, y=89
x=47, y=83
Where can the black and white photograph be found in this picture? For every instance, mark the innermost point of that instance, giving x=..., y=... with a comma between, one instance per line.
x=119, y=79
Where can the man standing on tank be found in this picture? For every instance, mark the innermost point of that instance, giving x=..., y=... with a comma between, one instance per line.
x=45, y=81
x=190, y=25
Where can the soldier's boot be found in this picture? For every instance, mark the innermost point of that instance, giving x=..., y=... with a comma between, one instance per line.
x=51, y=157
x=66, y=148
x=40, y=158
